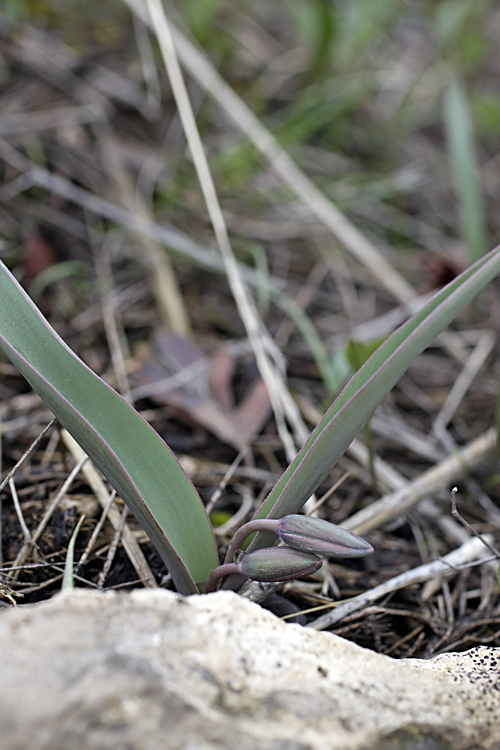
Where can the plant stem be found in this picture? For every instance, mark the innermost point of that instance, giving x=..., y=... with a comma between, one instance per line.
x=258, y=524
x=223, y=571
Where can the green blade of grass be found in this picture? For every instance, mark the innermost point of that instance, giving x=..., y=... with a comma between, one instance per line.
x=461, y=149
x=131, y=455
x=357, y=402
x=67, y=583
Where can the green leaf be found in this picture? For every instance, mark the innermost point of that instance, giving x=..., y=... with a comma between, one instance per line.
x=461, y=148
x=131, y=455
x=369, y=386
x=358, y=352
x=68, y=581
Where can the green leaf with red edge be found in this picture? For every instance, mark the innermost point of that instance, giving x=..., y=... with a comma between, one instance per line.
x=131, y=455
x=369, y=386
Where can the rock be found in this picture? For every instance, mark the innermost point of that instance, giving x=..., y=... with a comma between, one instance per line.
x=152, y=670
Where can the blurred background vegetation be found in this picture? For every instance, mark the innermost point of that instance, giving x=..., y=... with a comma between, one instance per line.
x=355, y=90
x=392, y=108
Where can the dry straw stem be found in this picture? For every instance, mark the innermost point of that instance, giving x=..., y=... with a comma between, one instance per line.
x=25, y=455
x=110, y=317
x=28, y=544
x=166, y=290
x=92, y=110
x=472, y=550
x=95, y=534
x=19, y=512
x=113, y=548
x=390, y=479
x=446, y=472
x=202, y=70
x=115, y=516
x=261, y=342
x=11, y=473
x=26, y=122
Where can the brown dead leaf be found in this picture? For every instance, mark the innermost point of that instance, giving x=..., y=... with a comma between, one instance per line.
x=40, y=255
x=200, y=385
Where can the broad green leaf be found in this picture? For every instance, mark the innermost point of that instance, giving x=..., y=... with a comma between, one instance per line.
x=369, y=386
x=124, y=446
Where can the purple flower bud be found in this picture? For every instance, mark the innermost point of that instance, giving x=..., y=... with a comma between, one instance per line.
x=320, y=537
x=278, y=564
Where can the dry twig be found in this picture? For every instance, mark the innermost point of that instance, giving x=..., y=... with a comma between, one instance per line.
x=472, y=550
x=293, y=177
x=130, y=545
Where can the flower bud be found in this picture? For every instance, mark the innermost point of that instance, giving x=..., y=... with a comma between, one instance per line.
x=278, y=564
x=310, y=534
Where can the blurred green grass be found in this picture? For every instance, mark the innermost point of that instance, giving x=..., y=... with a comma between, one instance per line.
x=364, y=79
x=356, y=93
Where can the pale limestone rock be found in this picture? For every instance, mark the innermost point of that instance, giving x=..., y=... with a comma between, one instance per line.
x=152, y=670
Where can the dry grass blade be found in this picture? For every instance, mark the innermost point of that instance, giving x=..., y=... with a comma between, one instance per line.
x=36, y=121
x=456, y=514
x=260, y=340
x=19, y=512
x=130, y=545
x=28, y=543
x=114, y=333
x=95, y=534
x=167, y=292
x=391, y=480
x=26, y=454
x=225, y=479
x=112, y=549
x=472, y=550
x=471, y=368
x=292, y=176
x=439, y=476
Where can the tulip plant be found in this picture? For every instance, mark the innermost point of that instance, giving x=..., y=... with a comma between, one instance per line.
x=145, y=473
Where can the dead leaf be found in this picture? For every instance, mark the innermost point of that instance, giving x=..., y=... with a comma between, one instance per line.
x=200, y=385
